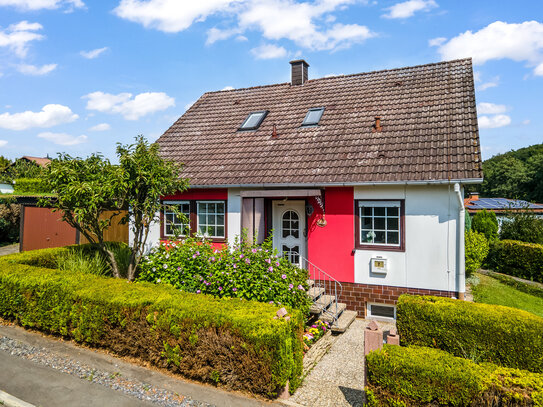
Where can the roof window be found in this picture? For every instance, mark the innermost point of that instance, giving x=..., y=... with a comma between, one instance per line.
x=254, y=120
x=313, y=116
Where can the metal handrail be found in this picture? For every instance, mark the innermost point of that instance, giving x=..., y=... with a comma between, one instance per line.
x=321, y=279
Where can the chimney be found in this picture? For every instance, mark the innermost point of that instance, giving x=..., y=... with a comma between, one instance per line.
x=474, y=196
x=299, y=72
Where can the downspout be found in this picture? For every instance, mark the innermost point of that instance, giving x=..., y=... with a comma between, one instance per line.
x=461, y=244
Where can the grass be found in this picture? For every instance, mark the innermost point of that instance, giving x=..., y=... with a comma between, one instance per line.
x=489, y=290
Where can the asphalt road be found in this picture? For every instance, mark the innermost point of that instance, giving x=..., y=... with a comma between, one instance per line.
x=46, y=387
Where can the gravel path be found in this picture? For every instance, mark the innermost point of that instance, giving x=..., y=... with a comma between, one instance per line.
x=113, y=380
x=10, y=249
x=338, y=379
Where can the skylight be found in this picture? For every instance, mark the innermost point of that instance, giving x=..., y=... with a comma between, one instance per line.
x=254, y=120
x=313, y=116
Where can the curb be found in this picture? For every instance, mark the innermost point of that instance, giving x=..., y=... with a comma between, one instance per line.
x=9, y=401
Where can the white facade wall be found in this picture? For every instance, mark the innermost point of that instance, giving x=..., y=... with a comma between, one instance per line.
x=153, y=239
x=234, y=214
x=430, y=259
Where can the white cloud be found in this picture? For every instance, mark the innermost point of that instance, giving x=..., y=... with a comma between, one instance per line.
x=95, y=53
x=477, y=76
x=526, y=122
x=26, y=5
x=188, y=105
x=436, y=42
x=36, y=70
x=3, y=143
x=228, y=88
x=18, y=36
x=63, y=139
x=100, y=127
x=307, y=24
x=490, y=108
x=269, y=51
x=493, y=122
x=49, y=116
x=487, y=85
x=519, y=42
x=132, y=108
x=408, y=8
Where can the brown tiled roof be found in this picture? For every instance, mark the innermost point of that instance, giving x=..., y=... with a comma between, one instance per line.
x=428, y=117
x=41, y=161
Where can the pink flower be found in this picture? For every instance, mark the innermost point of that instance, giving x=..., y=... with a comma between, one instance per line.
x=235, y=266
x=241, y=256
x=220, y=288
x=270, y=268
x=291, y=286
x=247, y=261
x=193, y=256
x=300, y=287
x=254, y=250
x=277, y=263
x=268, y=261
x=284, y=276
x=234, y=289
x=198, y=291
x=212, y=259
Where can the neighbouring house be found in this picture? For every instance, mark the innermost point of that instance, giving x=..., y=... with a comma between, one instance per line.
x=500, y=206
x=358, y=176
x=39, y=161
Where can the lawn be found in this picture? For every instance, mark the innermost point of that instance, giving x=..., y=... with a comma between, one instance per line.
x=491, y=291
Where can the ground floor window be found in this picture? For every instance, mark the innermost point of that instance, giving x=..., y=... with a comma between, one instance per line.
x=381, y=311
x=206, y=218
x=379, y=224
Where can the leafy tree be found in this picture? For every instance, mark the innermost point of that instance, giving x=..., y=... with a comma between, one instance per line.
x=522, y=225
x=24, y=169
x=467, y=225
x=4, y=165
x=485, y=222
x=86, y=188
x=146, y=177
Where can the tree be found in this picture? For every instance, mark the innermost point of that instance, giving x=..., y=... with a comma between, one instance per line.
x=146, y=177
x=485, y=222
x=86, y=188
x=522, y=225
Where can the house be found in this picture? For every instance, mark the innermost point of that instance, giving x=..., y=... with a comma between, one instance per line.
x=39, y=161
x=500, y=206
x=360, y=176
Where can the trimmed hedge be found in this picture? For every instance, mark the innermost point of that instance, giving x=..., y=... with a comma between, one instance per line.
x=418, y=376
x=518, y=259
x=235, y=343
x=29, y=185
x=506, y=336
x=476, y=250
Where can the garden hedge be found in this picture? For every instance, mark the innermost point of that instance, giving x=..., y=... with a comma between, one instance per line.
x=419, y=376
x=506, y=336
x=30, y=185
x=230, y=342
x=518, y=259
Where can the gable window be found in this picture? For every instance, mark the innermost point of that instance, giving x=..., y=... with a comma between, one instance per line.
x=254, y=120
x=380, y=225
x=313, y=116
x=206, y=218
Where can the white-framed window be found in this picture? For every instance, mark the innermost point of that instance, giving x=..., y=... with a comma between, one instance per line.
x=173, y=223
x=210, y=215
x=380, y=223
x=381, y=311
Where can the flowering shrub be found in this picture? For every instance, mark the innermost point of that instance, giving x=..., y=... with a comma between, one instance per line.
x=315, y=332
x=247, y=271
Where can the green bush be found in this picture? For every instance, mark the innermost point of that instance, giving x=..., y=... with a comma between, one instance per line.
x=78, y=262
x=467, y=221
x=248, y=271
x=30, y=185
x=476, y=249
x=9, y=222
x=418, y=376
x=506, y=336
x=485, y=222
x=518, y=259
x=524, y=226
x=231, y=342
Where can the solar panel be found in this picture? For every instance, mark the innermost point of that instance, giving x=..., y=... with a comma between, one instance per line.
x=502, y=203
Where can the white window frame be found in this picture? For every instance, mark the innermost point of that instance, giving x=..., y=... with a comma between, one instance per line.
x=379, y=317
x=380, y=204
x=216, y=213
x=166, y=211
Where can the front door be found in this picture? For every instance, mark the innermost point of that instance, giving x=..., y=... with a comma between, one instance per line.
x=289, y=229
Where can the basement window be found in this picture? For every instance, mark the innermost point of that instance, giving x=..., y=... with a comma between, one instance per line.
x=381, y=311
x=254, y=120
x=313, y=116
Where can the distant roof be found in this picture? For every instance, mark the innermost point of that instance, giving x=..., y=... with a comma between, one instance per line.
x=500, y=204
x=41, y=161
x=427, y=113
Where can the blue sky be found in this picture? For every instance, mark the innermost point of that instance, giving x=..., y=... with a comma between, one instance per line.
x=78, y=76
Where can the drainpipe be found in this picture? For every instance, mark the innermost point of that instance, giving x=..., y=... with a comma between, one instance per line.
x=460, y=253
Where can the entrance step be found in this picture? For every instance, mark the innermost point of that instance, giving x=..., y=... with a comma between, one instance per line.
x=321, y=304
x=315, y=292
x=344, y=321
x=310, y=283
x=328, y=315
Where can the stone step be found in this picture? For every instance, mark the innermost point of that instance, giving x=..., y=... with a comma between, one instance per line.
x=328, y=314
x=315, y=292
x=344, y=321
x=321, y=304
x=310, y=283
